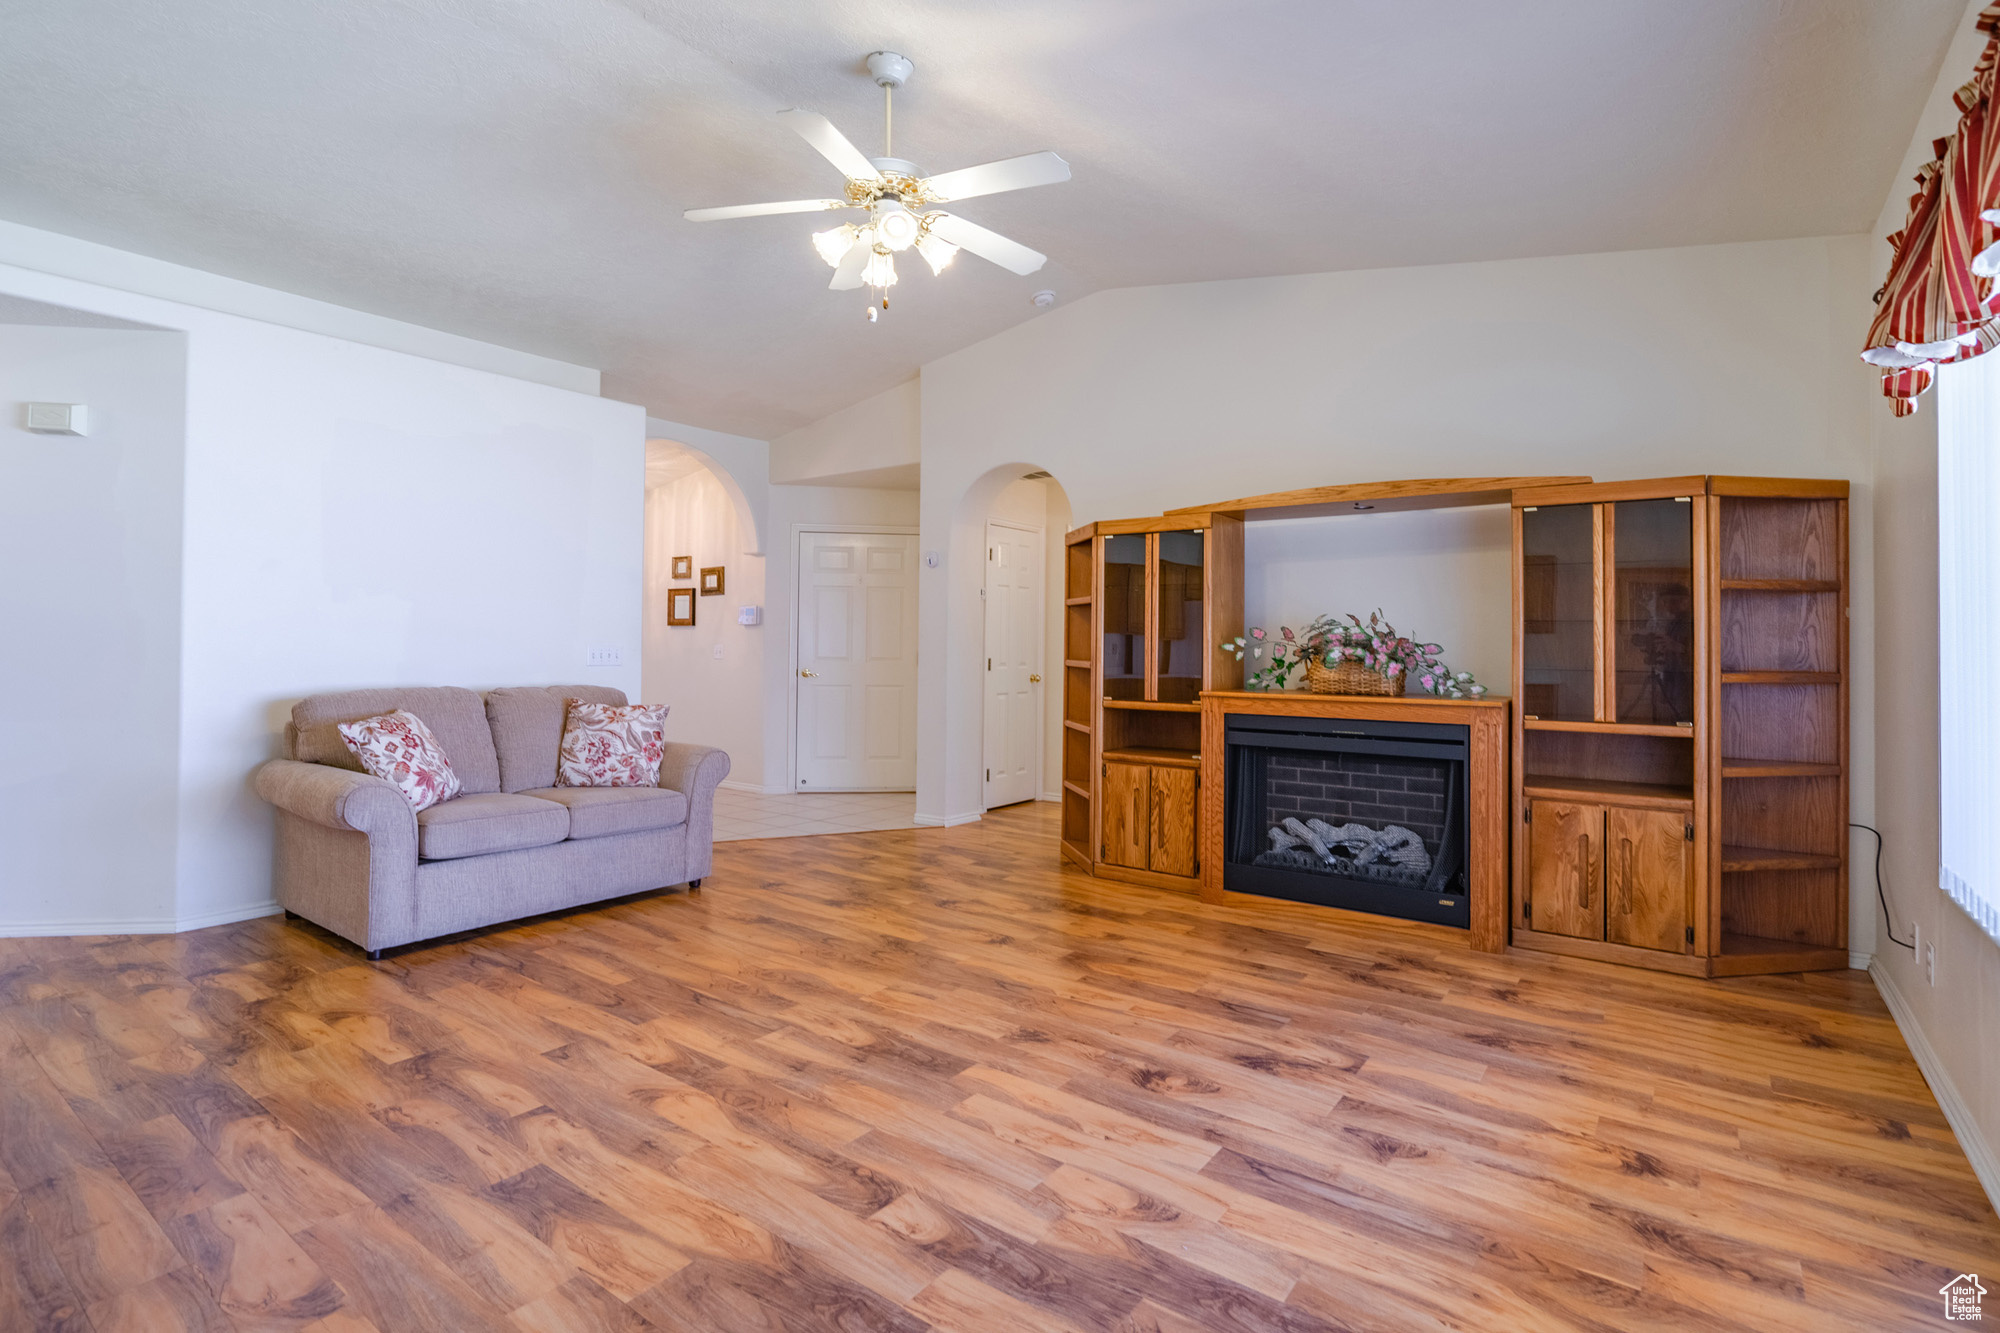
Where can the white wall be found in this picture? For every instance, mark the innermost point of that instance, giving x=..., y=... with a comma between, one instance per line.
x=877, y=437
x=1444, y=576
x=1732, y=358
x=1954, y=1025
x=90, y=567
x=353, y=516
x=795, y=509
x=711, y=672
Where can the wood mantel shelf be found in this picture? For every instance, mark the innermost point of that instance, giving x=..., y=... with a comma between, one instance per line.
x=1383, y=496
x=1486, y=720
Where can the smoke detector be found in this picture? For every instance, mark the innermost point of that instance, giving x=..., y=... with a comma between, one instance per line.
x=1043, y=299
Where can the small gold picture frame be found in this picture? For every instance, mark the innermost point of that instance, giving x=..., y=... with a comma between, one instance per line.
x=680, y=606
x=683, y=566
x=711, y=581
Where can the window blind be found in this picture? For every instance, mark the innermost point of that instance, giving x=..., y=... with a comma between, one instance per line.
x=1969, y=637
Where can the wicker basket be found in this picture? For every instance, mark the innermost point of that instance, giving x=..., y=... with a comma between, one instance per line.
x=1346, y=677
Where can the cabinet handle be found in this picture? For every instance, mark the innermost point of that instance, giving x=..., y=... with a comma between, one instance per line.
x=1583, y=869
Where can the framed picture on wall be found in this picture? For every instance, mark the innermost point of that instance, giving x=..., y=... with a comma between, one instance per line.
x=683, y=566
x=711, y=581
x=680, y=606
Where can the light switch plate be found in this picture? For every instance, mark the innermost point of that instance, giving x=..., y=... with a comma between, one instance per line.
x=717, y=649
x=607, y=657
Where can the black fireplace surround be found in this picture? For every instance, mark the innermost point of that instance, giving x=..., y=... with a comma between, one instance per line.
x=1343, y=772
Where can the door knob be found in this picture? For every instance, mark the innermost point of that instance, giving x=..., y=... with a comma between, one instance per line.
x=1034, y=680
x=804, y=671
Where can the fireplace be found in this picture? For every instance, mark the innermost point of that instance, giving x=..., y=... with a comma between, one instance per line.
x=1363, y=814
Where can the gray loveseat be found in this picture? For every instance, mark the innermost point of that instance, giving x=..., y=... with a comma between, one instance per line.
x=353, y=857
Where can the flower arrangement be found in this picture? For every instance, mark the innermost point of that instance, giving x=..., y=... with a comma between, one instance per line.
x=1375, y=645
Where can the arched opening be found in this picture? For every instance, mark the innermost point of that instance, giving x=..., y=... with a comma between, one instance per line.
x=983, y=734
x=697, y=653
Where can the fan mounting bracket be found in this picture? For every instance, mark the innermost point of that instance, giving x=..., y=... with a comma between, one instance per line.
x=889, y=69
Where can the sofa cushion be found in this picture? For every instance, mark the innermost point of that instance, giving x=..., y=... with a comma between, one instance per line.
x=399, y=749
x=488, y=822
x=604, y=745
x=597, y=812
x=527, y=727
x=456, y=717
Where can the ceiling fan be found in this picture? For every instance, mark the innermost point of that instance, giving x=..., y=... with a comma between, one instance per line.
x=899, y=200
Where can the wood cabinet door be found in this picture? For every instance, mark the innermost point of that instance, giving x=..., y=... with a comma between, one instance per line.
x=1173, y=833
x=1648, y=871
x=1127, y=793
x=1566, y=869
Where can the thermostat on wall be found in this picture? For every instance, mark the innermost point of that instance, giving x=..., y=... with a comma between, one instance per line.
x=57, y=418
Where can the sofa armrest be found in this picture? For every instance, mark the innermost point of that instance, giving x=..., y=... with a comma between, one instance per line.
x=337, y=798
x=695, y=771
x=346, y=854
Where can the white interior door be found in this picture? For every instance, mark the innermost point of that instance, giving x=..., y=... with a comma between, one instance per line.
x=857, y=661
x=1014, y=610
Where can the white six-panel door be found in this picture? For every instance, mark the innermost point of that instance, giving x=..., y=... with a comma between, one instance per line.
x=857, y=661
x=1014, y=618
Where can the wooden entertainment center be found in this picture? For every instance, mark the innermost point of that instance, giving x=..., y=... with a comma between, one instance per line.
x=1667, y=789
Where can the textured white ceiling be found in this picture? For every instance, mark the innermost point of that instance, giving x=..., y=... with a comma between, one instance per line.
x=515, y=170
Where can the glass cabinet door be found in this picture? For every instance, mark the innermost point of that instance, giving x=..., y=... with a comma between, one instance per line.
x=1182, y=644
x=1558, y=613
x=1652, y=614
x=1125, y=616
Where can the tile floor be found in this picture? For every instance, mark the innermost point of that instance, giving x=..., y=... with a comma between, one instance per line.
x=745, y=814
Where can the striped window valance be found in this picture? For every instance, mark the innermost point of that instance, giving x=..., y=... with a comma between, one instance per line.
x=1940, y=303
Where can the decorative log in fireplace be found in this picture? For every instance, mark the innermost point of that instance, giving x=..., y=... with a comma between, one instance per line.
x=1391, y=806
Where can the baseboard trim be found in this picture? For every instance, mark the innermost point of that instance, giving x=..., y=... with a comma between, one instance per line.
x=228, y=915
x=1985, y=1165
x=1050, y=796
x=948, y=821
x=754, y=788
x=1860, y=962
x=147, y=925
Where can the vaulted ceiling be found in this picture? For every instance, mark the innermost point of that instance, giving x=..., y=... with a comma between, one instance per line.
x=515, y=170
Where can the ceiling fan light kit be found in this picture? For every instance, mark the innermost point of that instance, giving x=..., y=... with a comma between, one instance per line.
x=899, y=200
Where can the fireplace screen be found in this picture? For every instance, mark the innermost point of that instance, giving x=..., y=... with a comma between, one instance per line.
x=1364, y=815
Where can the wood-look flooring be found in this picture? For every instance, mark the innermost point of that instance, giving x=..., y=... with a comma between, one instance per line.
x=928, y=1079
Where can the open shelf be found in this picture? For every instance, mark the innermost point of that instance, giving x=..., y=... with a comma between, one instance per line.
x=1076, y=601
x=1748, y=860
x=1083, y=727
x=1742, y=954
x=1777, y=768
x=1148, y=754
x=1780, y=585
x=1147, y=706
x=1083, y=665
x=1069, y=786
x=1553, y=788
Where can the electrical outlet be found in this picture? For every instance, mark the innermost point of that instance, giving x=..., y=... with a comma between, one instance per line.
x=607, y=657
x=1930, y=963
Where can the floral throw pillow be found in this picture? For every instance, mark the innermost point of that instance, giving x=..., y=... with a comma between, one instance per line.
x=397, y=747
x=605, y=745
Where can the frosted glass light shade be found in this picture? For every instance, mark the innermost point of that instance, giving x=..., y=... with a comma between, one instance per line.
x=833, y=245
x=938, y=254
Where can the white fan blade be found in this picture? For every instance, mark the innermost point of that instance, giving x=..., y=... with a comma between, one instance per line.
x=818, y=131
x=1014, y=173
x=848, y=275
x=989, y=245
x=764, y=210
